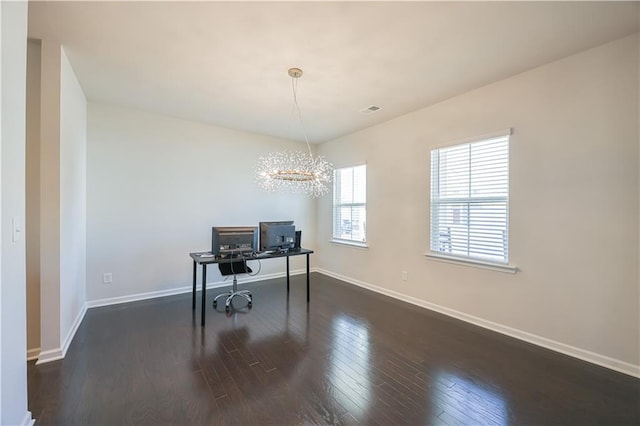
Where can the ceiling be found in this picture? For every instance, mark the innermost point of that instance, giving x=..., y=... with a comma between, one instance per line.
x=225, y=63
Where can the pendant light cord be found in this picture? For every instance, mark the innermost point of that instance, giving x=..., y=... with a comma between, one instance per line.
x=296, y=107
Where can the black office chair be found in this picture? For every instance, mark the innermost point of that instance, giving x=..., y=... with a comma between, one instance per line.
x=233, y=268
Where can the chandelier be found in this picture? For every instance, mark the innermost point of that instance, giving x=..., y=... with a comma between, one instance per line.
x=295, y=171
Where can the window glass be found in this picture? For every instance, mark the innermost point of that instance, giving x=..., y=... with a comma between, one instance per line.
x=470, y=200
x=350, y=204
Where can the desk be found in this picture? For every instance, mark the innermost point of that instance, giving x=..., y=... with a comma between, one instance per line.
x=204, y=261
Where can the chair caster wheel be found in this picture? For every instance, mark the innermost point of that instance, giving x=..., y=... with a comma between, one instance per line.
x=215, y=304
x=250, y=304
x=227, y=309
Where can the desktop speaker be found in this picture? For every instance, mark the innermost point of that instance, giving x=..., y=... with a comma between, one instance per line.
x=298, y=238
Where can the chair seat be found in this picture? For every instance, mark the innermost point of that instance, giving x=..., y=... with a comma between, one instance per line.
x=234, y=268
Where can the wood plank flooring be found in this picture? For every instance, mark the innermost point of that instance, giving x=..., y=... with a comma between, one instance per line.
x=350, y=357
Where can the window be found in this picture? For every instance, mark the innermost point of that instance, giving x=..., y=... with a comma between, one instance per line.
x=350, y=204
x=470, y=200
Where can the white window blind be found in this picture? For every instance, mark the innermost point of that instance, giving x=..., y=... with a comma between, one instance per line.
x=350, y=204
x=470, y=200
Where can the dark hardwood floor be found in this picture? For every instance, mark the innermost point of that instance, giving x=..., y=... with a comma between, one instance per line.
x=350, y=357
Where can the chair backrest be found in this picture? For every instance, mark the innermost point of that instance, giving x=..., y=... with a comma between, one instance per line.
x=234, y=268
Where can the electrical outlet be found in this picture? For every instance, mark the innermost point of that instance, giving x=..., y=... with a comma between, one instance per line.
x=107, y=278
x=404, y=276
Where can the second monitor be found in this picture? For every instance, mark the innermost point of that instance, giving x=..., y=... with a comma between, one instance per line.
x=277, y=235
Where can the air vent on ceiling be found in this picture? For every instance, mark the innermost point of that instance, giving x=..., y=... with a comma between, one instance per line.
x=370, y=109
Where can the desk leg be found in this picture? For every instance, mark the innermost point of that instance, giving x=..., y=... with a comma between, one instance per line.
x=307, y=277
x=204, y=292
x=193, y=294
x=287, y=274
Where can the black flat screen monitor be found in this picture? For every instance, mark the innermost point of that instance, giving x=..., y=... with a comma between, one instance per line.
x=277, y=235
x=234, y=239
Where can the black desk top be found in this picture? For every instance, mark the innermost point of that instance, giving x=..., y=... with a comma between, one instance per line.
x=206, y=257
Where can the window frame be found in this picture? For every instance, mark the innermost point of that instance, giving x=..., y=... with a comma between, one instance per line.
x=335, y=206
x=477, y=261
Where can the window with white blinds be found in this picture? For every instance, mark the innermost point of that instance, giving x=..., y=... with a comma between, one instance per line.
x=350, y=204
x=470, y=200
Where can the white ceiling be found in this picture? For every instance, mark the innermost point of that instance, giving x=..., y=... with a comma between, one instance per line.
x=225, y=63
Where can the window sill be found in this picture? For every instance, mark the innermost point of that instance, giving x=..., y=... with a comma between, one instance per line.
x=472, y=262
x=350, y=243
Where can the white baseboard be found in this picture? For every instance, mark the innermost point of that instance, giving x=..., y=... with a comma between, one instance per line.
x=28, y=420
x=585, y=355
x=59, y=353
x=187, y=289
x=49, y=355
x=138, y=296
x=33, y=354
x=74, y=329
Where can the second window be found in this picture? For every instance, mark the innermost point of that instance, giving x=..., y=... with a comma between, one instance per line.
x=350, y=204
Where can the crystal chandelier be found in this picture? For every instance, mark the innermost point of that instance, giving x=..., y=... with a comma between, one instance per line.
x=295, y=171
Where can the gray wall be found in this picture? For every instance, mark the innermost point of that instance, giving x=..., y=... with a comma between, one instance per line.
x=156, y=185
x=32, y=228
x=13, y=368
x=56, y=200
x=573, y=207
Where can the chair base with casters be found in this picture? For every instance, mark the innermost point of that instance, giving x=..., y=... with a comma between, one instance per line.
x=234, y=268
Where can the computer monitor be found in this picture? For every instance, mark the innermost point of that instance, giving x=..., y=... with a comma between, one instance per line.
x=234, y=239
x=279, y=235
